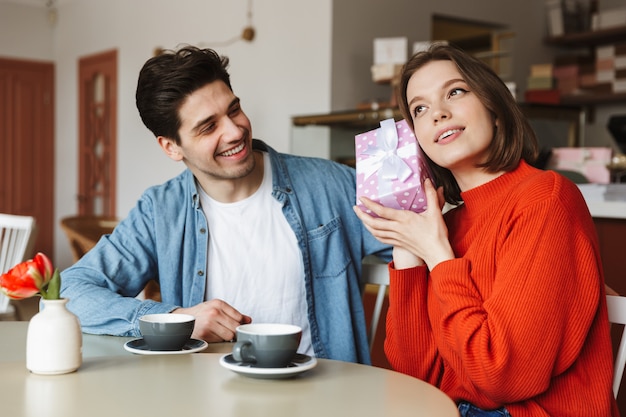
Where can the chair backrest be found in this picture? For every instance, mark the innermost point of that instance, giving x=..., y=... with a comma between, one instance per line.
x=616, y=306
x=375, y=273
x=17, y=236
x=83, y=232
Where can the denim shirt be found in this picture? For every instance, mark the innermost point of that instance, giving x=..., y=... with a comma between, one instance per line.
x=165, y=237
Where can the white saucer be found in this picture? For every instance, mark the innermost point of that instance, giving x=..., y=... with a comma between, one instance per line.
x=301, y=363
x=140, y=347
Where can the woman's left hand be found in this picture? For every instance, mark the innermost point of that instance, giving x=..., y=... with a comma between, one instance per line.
x=423, y=234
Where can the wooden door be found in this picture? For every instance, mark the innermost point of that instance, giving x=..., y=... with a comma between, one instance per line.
x=27, y=143
x=97, y=137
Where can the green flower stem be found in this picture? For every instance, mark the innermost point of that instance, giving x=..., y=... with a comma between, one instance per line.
x=53, y=289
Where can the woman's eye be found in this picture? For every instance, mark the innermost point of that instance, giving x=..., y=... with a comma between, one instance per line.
x=457, y=91
x=417, y=110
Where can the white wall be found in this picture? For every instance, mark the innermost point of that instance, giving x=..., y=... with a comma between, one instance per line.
x=25, y=32
x=285, y=71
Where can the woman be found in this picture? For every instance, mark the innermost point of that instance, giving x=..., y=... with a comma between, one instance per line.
x=500, y=302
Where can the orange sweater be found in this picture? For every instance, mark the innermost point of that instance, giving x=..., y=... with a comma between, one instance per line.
x=519, y=318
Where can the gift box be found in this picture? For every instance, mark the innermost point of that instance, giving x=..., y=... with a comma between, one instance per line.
x=591, y=162
x=390, y=167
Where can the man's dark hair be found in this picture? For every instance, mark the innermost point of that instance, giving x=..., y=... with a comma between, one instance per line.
x=166, y=80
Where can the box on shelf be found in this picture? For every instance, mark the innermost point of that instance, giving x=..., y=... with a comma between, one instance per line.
x=540, y=83
x=610, y=18
x=385, y=73
x=605, y=52
x=389, y=56
x=571, y=71
x=619, y=85
x=566, y=16
x=567, y=79
x=390, y=167
x=619, y=60
x=541, y=70
x=543, y=96
x=591, y=162
x=554, y=12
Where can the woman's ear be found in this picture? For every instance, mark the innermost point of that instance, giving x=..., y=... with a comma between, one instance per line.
x=171, y=149
x=496, y=125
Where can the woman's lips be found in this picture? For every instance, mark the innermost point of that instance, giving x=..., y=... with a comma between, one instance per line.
x=447, y=134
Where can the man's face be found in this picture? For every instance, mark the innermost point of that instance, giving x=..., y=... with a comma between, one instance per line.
x=215, y=135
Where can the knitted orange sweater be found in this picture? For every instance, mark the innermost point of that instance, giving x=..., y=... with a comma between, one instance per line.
x=519, y=318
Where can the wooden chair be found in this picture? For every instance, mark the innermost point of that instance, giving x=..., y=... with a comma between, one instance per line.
x=83, y=232
x=616, y=306
x=17, y=237
x=374, y=273
x=375, y=276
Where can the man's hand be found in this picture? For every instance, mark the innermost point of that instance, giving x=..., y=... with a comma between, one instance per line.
x=216, y=320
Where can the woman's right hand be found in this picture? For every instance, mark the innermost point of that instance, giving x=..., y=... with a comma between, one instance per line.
x=403, y=259
x=425, y=234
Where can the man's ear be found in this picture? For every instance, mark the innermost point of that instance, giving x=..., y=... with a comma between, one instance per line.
x=171, y=149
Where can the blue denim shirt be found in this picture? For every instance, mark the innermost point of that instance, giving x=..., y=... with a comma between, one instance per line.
x=165, y=237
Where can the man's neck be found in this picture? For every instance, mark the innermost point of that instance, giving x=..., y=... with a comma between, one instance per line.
x=230, y=191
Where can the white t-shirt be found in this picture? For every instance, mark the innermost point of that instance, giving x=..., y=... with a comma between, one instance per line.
x=254, y=262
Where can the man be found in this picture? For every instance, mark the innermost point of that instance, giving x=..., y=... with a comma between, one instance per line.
x=244, y=233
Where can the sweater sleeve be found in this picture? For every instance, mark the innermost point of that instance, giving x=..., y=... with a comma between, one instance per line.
x=409, y=343
x=509, y=340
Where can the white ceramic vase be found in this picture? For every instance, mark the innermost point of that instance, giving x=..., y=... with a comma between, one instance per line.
x=54, y=343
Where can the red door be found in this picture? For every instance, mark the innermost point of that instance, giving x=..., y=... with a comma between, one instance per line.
x=27, y=143
x=98, y=133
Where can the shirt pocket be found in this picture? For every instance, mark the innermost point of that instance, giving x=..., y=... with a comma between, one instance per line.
x=329, y=252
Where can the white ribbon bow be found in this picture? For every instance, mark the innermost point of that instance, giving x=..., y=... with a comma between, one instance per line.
x=385, y=157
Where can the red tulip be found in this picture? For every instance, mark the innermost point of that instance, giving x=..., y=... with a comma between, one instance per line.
x=35, y=276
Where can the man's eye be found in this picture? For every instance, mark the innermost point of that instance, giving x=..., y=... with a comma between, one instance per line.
x=208, y=128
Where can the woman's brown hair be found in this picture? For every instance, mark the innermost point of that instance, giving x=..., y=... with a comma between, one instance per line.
x=514, y=138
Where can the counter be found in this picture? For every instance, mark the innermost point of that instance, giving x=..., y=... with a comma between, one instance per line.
x=607, y=204
x=606, y=201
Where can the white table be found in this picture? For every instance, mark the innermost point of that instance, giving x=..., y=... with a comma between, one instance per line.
x=114, y=382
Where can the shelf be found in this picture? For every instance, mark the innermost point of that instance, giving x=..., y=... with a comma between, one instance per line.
x=368, y=118
x=598, y=37
x=365, y=120
x=593, y=99
x=591, y=38
x=362, y=119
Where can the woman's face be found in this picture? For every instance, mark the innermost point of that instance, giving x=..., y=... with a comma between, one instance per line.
x=451, y=124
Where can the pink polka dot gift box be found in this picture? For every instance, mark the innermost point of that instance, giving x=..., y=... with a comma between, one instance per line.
x=390, y=167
